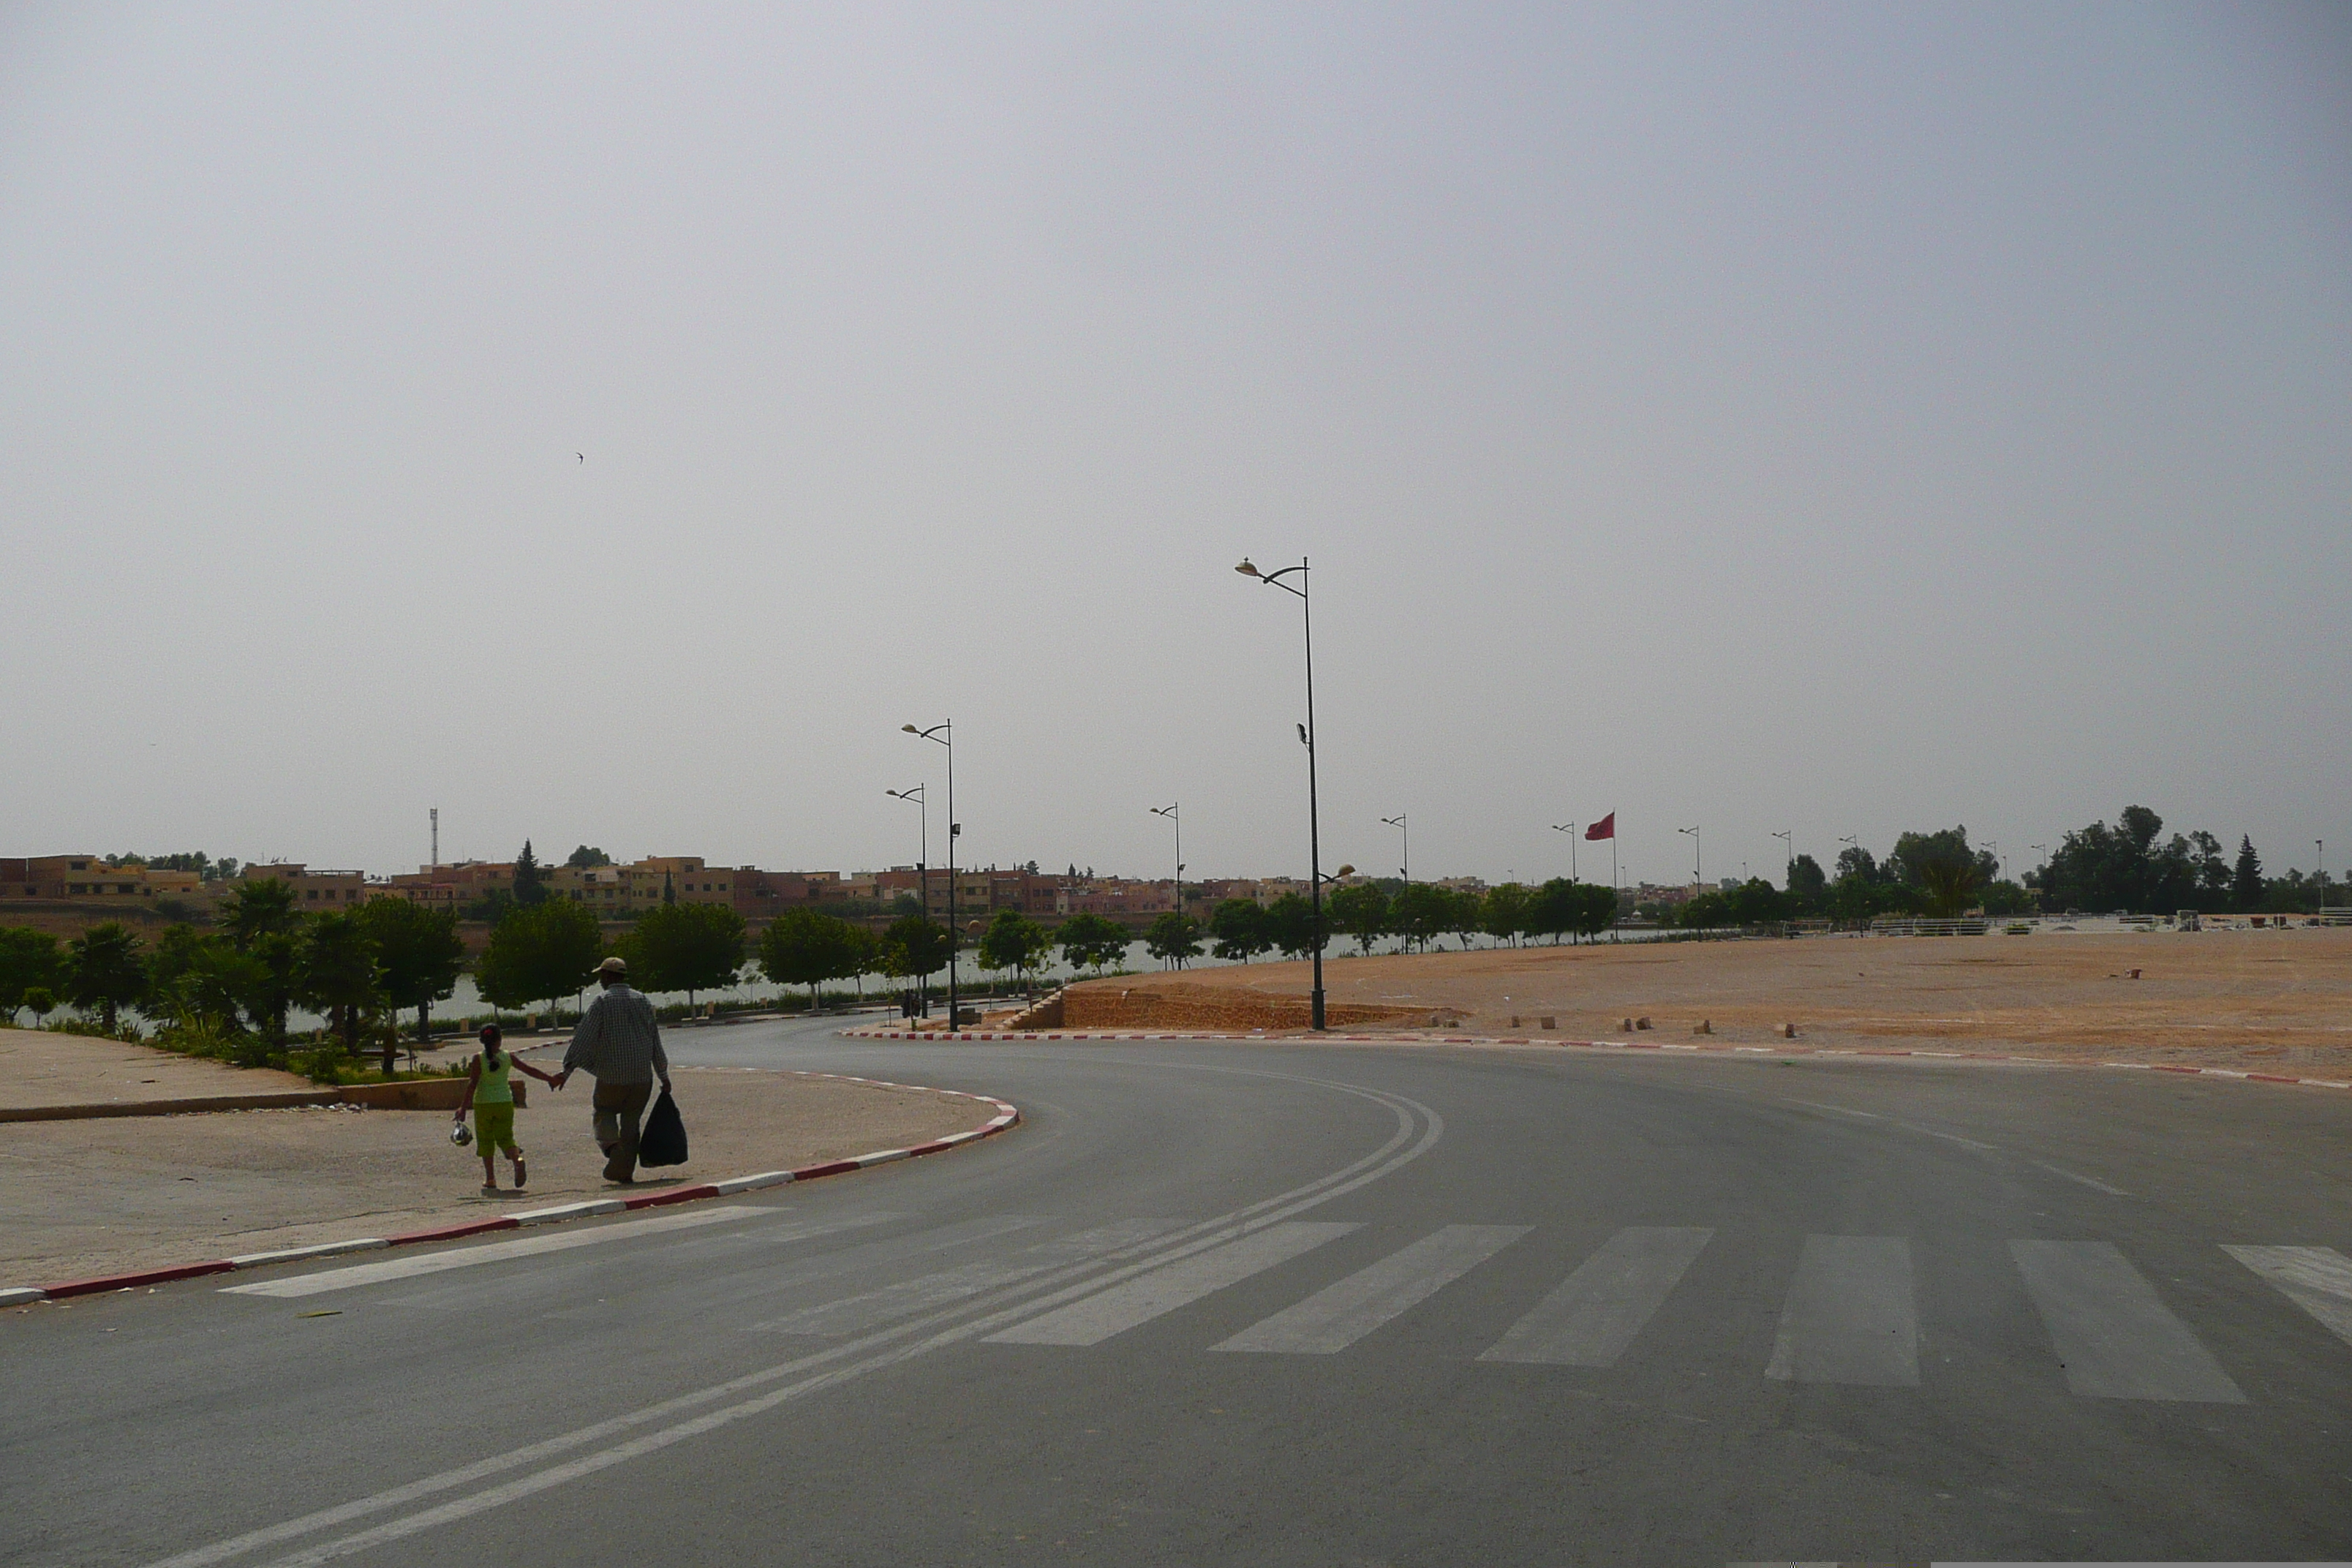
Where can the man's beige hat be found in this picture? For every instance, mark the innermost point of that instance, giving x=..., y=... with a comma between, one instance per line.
x=615, y=965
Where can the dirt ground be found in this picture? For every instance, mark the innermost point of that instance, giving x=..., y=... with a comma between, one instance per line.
x=2278, y=1001
x=42, y=1066
x=90, y=1197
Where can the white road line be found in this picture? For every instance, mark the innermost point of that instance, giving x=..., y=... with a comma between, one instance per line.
x=1389, y=1158
x=1338, y=1315
x=2090, y=1181
x=1094, y=1318
x=1592, y=1316
x=1841, y=1110
x=1848, y=1316
x=2316, y=1279
x=855, y=1314
x=495, y=1252
x=2115, y=1338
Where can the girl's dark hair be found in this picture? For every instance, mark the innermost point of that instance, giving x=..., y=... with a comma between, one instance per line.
x=490, y=1038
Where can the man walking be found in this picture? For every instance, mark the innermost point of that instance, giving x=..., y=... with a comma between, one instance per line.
x=620, y=1045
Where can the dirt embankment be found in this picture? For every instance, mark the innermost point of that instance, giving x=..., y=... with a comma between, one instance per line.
x=2276, y=999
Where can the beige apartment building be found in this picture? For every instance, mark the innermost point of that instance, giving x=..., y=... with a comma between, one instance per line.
x=90, y=877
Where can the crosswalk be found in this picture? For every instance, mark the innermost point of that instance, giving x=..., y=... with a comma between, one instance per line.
x=1850, y=1306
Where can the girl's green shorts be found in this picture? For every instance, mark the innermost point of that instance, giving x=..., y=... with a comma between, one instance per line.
x=494, y=1128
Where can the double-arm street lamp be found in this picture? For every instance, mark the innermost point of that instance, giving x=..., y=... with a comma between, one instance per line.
x=1307, y=738
x=922, y=869
x=944, y=735
x=1176, y=818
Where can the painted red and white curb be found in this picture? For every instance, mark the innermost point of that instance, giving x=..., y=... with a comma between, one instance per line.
x=1007, y=1115
x=1428, y=1039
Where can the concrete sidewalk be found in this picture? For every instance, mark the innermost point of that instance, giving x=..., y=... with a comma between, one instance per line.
x=103, y=1196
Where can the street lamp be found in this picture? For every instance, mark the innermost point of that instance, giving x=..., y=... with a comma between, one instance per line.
x=1789, y=845
x=1697, y=874
x=1306, y=739
x=1398, y=822
x=1569, y=829
x=943, y=734
x=923, y=871
x=1169, y=812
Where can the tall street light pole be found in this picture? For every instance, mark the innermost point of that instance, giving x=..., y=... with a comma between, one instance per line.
x=1307, y=738
x=944, y=735
x=1697, y=875
x=1569, y=829
x=923, y=872
x=1399, y=823
x=1789, y=843
x=1177, y=821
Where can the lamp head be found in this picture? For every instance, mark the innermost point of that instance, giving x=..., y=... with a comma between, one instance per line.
x=911, y=729
x=1246, y=570
x=1345, y=871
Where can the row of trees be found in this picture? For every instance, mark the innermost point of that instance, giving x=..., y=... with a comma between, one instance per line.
x=237, y=985
x=2129, y=865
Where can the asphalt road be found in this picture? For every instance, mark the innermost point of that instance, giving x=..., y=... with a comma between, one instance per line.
x=1292, y=1304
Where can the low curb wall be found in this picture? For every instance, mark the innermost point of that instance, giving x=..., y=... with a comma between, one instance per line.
x=408, y=1094
x=1427, y=1039
x=1007, y=1116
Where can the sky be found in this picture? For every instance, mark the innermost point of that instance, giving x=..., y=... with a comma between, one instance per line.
x=611, y=423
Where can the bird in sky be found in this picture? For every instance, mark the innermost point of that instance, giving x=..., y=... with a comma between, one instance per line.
x=582, y=456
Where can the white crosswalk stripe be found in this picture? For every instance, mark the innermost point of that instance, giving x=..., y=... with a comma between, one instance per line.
x=872, y=1309
x=1849, y=1317
x=1591, y=1317
x=1097, y=1318
x=2115, y=1338
x=1338, y=1315
x=2316, y=1279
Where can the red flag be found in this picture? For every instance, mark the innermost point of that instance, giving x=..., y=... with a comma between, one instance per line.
x=1604, y=829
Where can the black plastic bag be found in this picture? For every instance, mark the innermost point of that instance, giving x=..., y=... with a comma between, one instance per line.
x=662, y=1142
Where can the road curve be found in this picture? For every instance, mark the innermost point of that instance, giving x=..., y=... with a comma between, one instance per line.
x=1291, y=1303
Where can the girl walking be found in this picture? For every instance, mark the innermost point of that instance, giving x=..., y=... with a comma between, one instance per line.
x=490, y=1095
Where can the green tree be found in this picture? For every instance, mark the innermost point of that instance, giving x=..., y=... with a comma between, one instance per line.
x=1466, y=913
x=585, y=856
x=1951, y=886
x=340, y=973
x=1706, y=911
x=686, y=947
x=260, y=907
x=1238, y=928
x=1808, y=888
x=103, y=972
x=1598, y=912
x=420, y=955
x=1173, y=938
x=527, y=887
x=913, y=947
x=1756, y=903
x=194, y=977
x=2005, y=898
x=1503, y=914
x=1360, y=910
x=540, y=954
x=1555, y=909
x=40, y=1002
x=28, y=959
x=1290, y=925
x=806, y=947
x=1014, y=941
x=1091, y=942
x=2246, y=882
x=1418, y=912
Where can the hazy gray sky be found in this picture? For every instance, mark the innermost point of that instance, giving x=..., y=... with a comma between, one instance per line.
x=1841, y=419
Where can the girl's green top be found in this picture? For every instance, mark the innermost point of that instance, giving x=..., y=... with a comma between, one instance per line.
x=494, y=1089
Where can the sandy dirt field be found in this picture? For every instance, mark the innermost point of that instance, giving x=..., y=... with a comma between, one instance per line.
x=2274, y=1000
x=90, y=1197
x=42, y=1066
